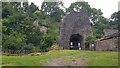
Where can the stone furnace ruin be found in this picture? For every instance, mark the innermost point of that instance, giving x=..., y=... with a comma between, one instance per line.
x=75, y=28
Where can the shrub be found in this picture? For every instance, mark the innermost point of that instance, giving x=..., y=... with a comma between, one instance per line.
x=14, y=41
x=55, y=47
x=28, y=47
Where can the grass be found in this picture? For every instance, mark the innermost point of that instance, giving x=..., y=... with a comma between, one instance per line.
x=93, y=58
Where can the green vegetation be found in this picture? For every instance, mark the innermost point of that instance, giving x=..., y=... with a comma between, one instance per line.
x=19, y=33
x=18, y=30
x=98, y=22
x=93, y=58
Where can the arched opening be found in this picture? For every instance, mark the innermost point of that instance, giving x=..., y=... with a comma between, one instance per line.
x=75, y=42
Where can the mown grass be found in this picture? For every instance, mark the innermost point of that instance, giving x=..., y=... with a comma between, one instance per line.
x=92, y=58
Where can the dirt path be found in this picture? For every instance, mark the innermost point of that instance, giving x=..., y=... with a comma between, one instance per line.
x=66, y=61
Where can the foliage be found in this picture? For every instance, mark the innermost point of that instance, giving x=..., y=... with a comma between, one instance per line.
x=90, y=39
x=53, y=10
x=55, y=47
x=28, y=47
x=115, y=20
x=13, y=41
x=93, y=13
x=79, y=6
x=19, y=33
x=46, y=41
x=99, y=23
x=7, y=9
x=18, y=30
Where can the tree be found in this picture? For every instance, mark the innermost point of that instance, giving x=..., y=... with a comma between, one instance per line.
x=19, y=32
x=46, y=41
x=53, y=9
x=93, y=13
x=33, y=8
x=25, y=7
x=34, y=37
x=95, y=16
x=79, y=6
x=7, y=9
x=115, y=20
x=90, y=39
x=39, y=15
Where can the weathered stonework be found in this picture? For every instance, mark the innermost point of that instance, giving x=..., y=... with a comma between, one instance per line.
x=43, y=28
x=107, y=45
x=109, y=31
x=110, y=43
x=74, y=27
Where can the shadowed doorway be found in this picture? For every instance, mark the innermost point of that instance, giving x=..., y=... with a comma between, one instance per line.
x=75, y=42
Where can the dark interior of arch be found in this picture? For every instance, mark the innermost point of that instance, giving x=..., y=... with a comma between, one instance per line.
x=75, y=39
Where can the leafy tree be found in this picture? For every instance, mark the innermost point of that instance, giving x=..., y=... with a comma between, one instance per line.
x=115, y=20
x=18, y=30
x=33, y=8
x=7, y=9
x=53, y=9
x=94, y=14
x=39, y=15
x=79, y=6
x=57, y=16
x=34, y=37
x=25, y=7
x=46, y=41
x=90, y=39
x=20, y=34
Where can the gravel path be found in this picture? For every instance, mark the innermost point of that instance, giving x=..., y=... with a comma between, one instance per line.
x=66, y=61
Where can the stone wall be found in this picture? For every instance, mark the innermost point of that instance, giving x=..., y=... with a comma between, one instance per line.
x=107, y=45
x=43, y=28
x=74, y=23
x=110, y=42
x=110, y=31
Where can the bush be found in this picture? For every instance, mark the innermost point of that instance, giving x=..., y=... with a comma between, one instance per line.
x=14, y=41
x=55, y=47
x=46, y=42
x=28, y=47
x=90, y=39
x=98, y=36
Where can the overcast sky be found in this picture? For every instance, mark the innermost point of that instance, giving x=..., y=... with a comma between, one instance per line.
x=108, y=7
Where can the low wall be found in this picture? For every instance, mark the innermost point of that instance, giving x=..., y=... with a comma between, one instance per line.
x=107, y=45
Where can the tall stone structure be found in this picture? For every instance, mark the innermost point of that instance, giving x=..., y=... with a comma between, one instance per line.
x=74, y=29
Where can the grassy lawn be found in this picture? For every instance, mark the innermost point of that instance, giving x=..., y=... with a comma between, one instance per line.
x=93, y=58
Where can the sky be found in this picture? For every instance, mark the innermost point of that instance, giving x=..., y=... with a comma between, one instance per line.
x=108, y=7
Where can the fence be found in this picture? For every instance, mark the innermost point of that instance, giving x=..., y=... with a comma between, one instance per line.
x=20, y=52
